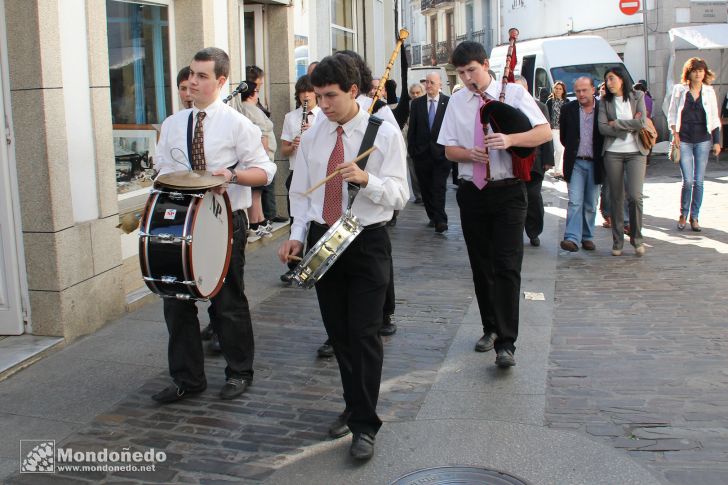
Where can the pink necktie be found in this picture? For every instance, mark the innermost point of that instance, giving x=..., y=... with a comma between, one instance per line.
x=332, y=194
x=479, y=172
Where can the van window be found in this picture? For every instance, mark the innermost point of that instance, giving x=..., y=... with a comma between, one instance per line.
x=568, y=74
x=542, y=82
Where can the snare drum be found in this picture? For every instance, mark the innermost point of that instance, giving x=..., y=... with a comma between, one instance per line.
x=185, y=242
x=326, y=251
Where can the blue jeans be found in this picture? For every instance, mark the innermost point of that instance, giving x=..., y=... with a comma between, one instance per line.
x=693, y=160
x=582, y=211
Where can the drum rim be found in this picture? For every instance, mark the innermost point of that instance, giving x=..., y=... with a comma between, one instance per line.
x=228, y=255
x=144, y=242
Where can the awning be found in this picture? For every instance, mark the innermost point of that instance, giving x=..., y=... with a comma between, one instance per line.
x=711, y=36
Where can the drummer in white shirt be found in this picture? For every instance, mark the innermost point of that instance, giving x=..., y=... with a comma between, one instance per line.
x=351, y=294
x=294, y=124
x=231, y=148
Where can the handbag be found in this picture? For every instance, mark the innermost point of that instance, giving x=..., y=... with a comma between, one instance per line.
x=648, y=135
x=674, y=153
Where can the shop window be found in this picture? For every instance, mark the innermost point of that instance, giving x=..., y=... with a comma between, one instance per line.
x=141, y=87
x=343, y=35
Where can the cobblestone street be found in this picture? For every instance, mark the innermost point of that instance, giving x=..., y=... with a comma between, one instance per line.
x=636, y=361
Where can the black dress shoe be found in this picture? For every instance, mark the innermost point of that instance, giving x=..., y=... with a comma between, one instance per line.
x=206, y=333
x=418, y=200
x=485, y=343
x=174, y=393
x=392, y=222
x=233, y=388
x=287, y=277
x=339, y=427
x=535, y=242
x=214, y=345
x=504, y=358
x=440, y=227
x=326, y=350
x=362, y=446
x=431, y=223
x=387, y=328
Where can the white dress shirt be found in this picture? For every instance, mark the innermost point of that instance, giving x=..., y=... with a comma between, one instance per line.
x=292, y=127
x=458, y=125
x=229, y=138
x=386, y=191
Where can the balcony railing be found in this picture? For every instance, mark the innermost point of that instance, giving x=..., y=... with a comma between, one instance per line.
x=444, y=51
x=428, y=58
x=484, y=37
x=427, y=6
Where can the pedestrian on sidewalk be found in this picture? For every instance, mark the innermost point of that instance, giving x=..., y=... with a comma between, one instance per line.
x=621, y=116
x=431, y=166
x=415, y=91
x=544, y=161
x=352, y=293
x=225, y=143
x=583, y=167
x=557, y=99
x=695, y=125
x=492, y=211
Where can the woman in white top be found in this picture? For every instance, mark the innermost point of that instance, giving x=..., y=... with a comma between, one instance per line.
x=258, y=225
x=621, y=116
x=693, y=119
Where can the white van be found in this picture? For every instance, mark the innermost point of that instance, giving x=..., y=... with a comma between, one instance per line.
x=418, y=74
x=544, y=61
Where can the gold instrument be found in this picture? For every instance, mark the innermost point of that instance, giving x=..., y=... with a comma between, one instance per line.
x=403, y=34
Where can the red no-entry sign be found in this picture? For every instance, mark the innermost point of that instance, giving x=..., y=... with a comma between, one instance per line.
x=629, y=7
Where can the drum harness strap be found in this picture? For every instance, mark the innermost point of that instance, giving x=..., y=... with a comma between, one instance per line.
x=367, y=142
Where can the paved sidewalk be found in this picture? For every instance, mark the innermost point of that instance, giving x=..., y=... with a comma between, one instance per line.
x=599, y=365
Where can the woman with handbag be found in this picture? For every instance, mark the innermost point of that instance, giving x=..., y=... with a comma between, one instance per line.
x=695, y=125
x=622, y=115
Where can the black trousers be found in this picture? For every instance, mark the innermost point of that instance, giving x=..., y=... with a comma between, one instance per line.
x=351, y=296
x=493, y=220
x=268, y=200
x=535, y=212
x=230, y=318
x=291, y=264
x=432, y=175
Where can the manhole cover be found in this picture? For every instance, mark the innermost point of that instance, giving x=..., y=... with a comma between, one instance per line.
x=460, y=475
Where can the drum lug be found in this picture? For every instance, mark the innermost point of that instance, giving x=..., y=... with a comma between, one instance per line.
x=168, y=280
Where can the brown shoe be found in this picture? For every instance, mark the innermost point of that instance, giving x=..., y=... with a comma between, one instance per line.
x=681, y=223
x=694, y=225
x=570, y=246
x=607, y=222
x=588, y=245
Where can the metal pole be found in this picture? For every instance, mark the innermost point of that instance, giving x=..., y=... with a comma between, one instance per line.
x=647, y=49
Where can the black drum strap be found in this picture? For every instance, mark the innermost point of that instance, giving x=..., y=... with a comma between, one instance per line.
x=189, y=139
x=367, y=142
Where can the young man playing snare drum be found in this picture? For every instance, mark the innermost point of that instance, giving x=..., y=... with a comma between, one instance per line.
x=351, y=294
x=230, y=146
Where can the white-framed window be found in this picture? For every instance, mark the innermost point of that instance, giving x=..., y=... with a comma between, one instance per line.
x=142, y=86
x=343, y=32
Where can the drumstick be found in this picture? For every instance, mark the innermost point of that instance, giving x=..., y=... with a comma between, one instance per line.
x=336, y=172
x=294, y=258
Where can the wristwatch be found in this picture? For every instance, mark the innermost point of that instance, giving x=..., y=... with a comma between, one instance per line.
x=234, y=178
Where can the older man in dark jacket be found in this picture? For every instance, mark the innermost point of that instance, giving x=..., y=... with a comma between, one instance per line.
x=583, y=166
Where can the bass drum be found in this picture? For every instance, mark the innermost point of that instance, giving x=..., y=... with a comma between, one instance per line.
x=185, y=242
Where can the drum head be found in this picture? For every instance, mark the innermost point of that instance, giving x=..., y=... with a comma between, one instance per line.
x=211, y=243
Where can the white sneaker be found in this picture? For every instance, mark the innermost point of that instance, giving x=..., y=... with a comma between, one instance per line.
x=261, y=232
